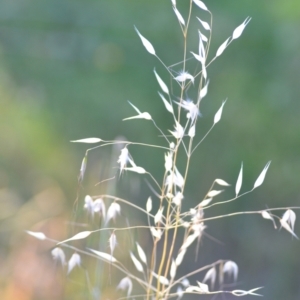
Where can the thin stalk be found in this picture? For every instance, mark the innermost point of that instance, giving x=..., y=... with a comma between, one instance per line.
x=174, y=164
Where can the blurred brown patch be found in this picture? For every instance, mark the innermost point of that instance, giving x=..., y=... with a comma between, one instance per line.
x=28, y=271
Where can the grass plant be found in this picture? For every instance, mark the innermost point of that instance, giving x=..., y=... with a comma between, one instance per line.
x=153, y=274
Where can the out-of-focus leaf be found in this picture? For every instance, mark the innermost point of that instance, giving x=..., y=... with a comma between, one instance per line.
x=192, y=131
x=173, y=269
x=290, y=217
x=82, y=169
x=38, y=235
x=239, y=181
x=78, y=236
x=266, y=215
x=203, y=91
x=74, y=261
x=124, y=284
x=214, y=193
x=59, y=255
x=113, y=210
x=162, y=279
x=222, y=182
x=287, y=227
x=158, y=216
x=218, y=114
x=231, y=268
x=180, y=256
x=167, y=104
x=146, y=43
x=136, y=263
x=149, y=204
x=200, y=4
x=162, y=85
x=204, y=24
x=239, y=30
x=107, y=257
x=179, y=16
x=141, y=253
x=87, y=141
x=262, y=175
x=156, y=232
x=222, y=48
x=205, y=202
x=136, y=169
x=112, y=242
x=211, y=275
x=189, y=240
x=203, y=37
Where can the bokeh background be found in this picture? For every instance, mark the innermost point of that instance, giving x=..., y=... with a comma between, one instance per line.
x=67, y=69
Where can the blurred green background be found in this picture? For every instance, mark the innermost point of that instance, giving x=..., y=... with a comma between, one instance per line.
x=67, y=69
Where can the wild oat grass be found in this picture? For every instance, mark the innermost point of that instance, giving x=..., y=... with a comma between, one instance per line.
x=154, y=275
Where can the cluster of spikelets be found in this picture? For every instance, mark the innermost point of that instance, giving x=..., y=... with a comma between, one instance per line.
x=156, y=272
